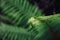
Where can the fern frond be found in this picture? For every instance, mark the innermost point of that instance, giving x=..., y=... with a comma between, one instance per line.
x=22, y=13
x=52, y=22
x=8, y=32
x=40, y=29
x=19, y=11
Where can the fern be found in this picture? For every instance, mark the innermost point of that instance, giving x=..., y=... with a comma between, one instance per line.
x=51, y=22
x=40, y=28
x=17, y=12
x=8, y=32
x=28, y=22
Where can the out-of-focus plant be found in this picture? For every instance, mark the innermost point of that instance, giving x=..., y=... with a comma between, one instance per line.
x=19, y=20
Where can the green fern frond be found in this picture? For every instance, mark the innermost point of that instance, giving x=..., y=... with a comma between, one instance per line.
x=8, y=32
x=40, y=29
x=54, y=22
x=51, y=24
x=17, y=11
x=21, y=13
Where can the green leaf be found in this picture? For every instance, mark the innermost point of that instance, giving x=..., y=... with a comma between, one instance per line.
x=40, y=29
x=29, y=22
x=8, y=32
x=52, y=22
x=19, y=11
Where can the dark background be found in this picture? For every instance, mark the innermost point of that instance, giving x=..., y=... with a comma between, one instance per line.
x=49, y=7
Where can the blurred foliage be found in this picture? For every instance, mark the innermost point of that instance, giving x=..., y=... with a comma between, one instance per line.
x=19, y=20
